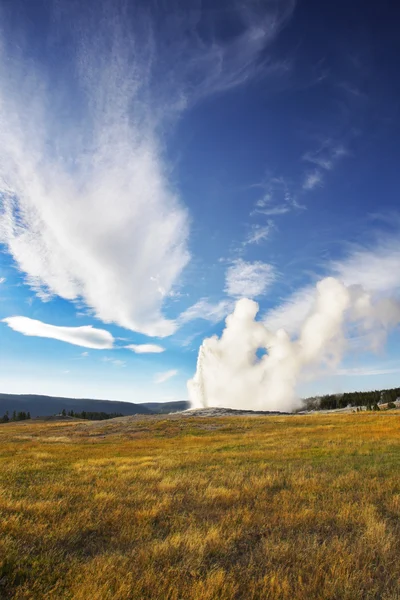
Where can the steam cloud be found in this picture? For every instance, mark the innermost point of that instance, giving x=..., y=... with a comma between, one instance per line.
x=230, y=374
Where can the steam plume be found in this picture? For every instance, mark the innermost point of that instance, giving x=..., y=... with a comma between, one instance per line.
x=230, y=374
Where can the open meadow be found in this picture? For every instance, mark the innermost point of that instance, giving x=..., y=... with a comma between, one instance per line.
x=178, y=508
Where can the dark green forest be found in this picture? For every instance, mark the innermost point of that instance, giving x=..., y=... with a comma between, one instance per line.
x=15, y=416
x=92, y=416
x=368, y=399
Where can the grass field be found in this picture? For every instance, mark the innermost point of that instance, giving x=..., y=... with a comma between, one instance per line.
x=199, y=509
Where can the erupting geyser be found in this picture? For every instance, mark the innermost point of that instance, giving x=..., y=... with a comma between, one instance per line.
x=230, y=374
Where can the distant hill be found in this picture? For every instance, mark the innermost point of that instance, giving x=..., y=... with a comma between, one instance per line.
x=40, y=406
x=167, y=407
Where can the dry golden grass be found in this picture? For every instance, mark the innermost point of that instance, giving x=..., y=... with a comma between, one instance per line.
x=295, y=508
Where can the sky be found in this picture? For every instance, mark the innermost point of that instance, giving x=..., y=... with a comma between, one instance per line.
x=161, y=160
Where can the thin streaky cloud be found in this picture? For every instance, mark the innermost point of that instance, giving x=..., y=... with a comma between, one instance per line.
x=259, y=233
x=145, y=348
x=277, y=200
x=324, y=158
x=327, y=156
x=281, y=209
x=164, y=376
x=375, y=268
x=115, y=362
x=207, y=310
x=367, y=371
x=86, y=336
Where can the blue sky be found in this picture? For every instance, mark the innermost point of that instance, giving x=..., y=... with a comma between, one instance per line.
x=157, y=163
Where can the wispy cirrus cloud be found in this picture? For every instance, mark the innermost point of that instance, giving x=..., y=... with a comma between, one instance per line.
x=249, y=279
x=212, y=66
x=88, y=209
x=164, y=376
x=277, y=199
x=375, y=268
x=280, y=209
x=367, y=371
x=324, y=159
x=312, y=180
x=259, y=233
x=115, y=362
x=207, y=310
x=145, y=348
x=86, y=336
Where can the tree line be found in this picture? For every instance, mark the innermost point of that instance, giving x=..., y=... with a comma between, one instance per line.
x=369, y=399
x=90, y=415
x=16, y=416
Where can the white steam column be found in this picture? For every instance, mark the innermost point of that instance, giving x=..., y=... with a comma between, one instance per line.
x=229, y=373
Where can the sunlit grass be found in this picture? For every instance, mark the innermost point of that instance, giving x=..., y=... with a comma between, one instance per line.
x=183, y=509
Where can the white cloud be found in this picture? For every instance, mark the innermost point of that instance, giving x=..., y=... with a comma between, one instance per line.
x=114, y=361
x=321, y=161
x=325, y=158
x=327, y=155
x=292, y=312
x=367, y=371
x=84, y=354
x=259, y=233
x=89, y=212
x=204, y=309
x=249, y=279
x=96, y=218
x=376, y=269
x=2, y=280
x=277, y=199
x=145, y=348
x=86, y=336
x=312, y=180
x=229, y=64
x=162, y=377
x=119, y=363
x=280, y=209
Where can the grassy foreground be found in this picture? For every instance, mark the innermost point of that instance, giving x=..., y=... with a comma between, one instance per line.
x=199, y=509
